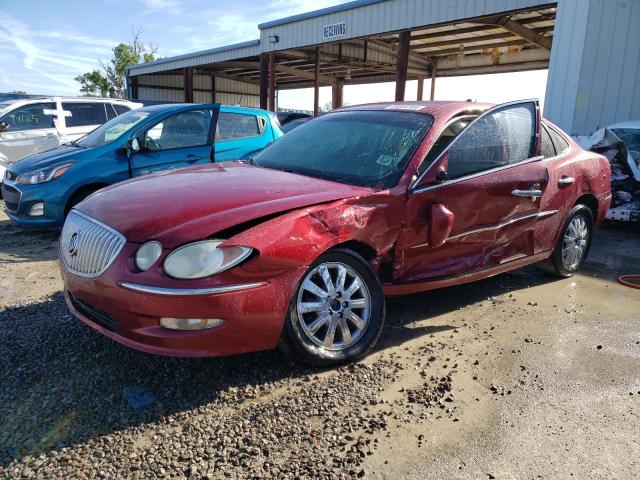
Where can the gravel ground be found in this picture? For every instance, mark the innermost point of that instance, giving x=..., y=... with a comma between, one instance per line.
x=518, y=376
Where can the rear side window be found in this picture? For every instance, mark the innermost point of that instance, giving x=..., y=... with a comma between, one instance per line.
x=502, y=137
x=111, y=111
x=548, y=149
x=120, y=109
x=30, y=117
x=236, y=125
x=84, y=114
x=558, y=141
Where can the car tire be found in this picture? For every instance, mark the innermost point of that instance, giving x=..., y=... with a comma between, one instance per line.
x=573, y=245
x=78, y=196
x=341, y=326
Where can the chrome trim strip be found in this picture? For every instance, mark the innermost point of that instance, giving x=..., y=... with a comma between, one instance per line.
x=412, y=188
x=104, y=259
x=498, y=226
x=136, y=287
x=475, y=175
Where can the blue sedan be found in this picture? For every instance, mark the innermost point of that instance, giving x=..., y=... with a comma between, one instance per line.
x=40, y=189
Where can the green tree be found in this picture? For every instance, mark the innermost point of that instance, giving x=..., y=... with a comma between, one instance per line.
x=110, y=81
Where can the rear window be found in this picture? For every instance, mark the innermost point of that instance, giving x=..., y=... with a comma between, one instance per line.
x=558, y=141
x=366, y=148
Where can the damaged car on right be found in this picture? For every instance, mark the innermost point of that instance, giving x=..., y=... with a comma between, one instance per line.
x=298, y=246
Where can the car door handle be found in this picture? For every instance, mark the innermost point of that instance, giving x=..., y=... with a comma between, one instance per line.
x=534, y=193
x=564, y=181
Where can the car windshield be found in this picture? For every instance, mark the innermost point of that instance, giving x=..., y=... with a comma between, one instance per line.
x=113, y=129
x=630, y=136
x=365, y=148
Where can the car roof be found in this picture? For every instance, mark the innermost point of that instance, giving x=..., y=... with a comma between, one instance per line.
x=177, y=107
x=434, y=108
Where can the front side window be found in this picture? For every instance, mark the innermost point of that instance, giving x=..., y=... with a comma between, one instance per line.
x=502, y=137
x=366, y=148
x=84, y=114
x=186, y=129
x=236, y=125
x=30, y=117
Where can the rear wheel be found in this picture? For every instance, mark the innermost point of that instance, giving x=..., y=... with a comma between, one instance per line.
x=336, y=313
x=574, y=243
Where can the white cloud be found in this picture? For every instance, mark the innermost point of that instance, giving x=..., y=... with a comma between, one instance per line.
x=171, y=7
x=46, y=61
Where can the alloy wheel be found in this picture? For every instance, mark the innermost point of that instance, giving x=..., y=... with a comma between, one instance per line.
x=576, y=239
x=333, y=306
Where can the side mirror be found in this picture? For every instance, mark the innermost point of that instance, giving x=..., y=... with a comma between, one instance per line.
x=442, y=176
x=4, y=126
x=134, y=145
x=440, y=225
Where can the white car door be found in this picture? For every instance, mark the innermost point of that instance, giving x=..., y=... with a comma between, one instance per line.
x=30, y=129
x=80, y=118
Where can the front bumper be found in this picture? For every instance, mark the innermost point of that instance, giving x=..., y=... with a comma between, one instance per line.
x=253, y=317
x=19, y=199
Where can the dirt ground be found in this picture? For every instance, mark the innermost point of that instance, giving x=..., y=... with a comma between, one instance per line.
x=518, y=376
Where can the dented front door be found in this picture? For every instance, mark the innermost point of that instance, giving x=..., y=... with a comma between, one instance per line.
x=485, y=190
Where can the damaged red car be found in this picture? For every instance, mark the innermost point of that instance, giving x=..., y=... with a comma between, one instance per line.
x=298, y=246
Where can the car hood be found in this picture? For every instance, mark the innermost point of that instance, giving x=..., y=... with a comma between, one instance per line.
x=194, y=203
x=46, y=159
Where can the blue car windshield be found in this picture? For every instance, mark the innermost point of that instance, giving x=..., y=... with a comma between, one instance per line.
x=365, y=148
x=113, y=129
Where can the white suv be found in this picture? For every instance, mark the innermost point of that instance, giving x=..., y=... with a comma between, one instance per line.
x=36, y=124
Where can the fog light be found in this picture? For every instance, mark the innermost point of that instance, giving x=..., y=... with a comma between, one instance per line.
x=190, y=323
x=36, y=210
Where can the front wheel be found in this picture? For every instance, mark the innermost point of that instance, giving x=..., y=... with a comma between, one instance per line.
x=337, y=311
x=574, y=243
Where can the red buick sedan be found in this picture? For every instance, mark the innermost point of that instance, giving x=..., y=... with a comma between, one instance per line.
x=298, y=246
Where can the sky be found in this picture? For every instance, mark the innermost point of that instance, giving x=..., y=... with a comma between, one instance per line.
x=44, y=45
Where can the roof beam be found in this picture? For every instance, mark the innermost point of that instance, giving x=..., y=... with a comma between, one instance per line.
x=473, y=48
x=482, y=38
x=279, y=68
x=392, y=50
x=518, y=29
x=352, y=62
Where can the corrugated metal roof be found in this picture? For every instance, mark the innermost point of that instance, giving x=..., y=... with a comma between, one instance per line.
x=317, y=13
x=219, y=54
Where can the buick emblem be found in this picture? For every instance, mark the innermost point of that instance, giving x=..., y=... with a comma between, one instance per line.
x=72, y=244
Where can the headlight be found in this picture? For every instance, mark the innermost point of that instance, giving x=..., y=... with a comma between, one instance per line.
x=203, y=259
x=45, y=174
x=147, y=255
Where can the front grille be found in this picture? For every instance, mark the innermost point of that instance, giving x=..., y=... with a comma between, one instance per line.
x=11, y=197
x=88, y=247
x=94, y=314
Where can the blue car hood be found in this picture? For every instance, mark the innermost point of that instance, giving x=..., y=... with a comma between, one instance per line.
x=47, y=158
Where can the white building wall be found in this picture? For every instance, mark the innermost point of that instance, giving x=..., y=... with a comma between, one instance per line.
x=595, y=65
